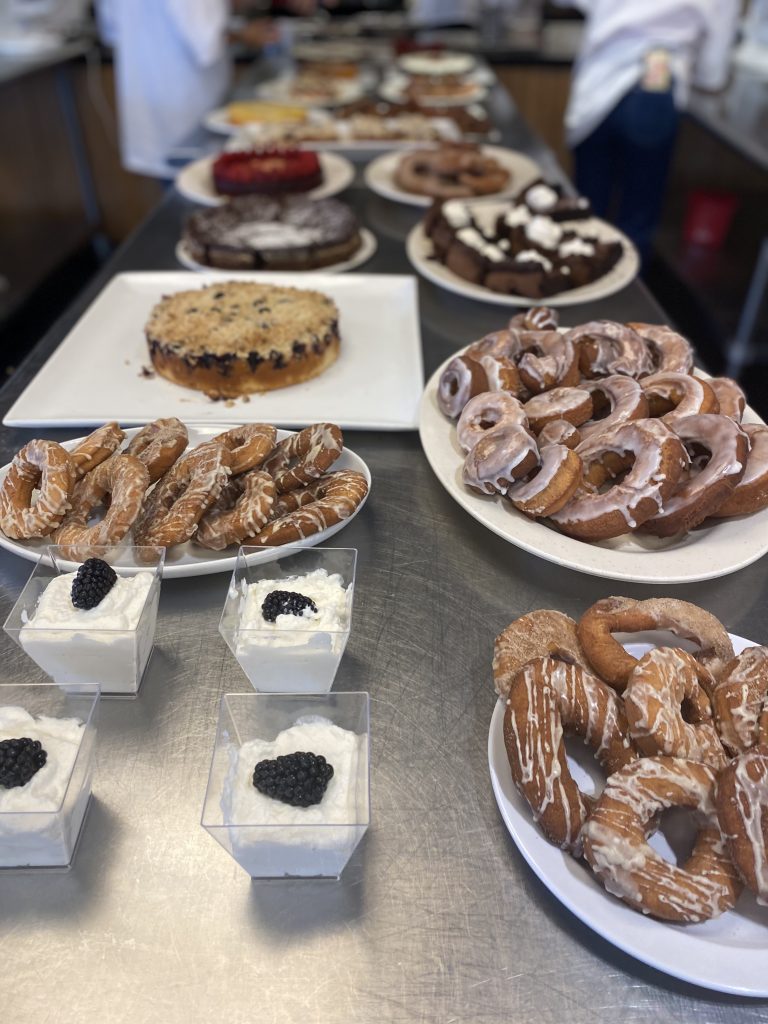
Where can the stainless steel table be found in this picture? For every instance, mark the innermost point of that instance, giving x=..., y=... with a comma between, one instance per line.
x=437, y=919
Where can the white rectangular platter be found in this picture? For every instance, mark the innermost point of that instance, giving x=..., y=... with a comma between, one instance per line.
x=96, y=373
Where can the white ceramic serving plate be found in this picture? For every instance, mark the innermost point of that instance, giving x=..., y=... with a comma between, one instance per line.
x=367, y=248
x=380, y=175
x=701, y=555
x=442, y=63
x=727, y=954
x=190, y=559
x=195, y=181
x=420, y=253
x=96, y=373
x=280, y=90
x=393, y=90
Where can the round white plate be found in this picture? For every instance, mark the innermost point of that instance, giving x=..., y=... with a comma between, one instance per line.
x=394, y=91
x=445, y=63
x=701, y=555
x=189, y=559
x=278, y=90
x=195, y=181
x=727, y=954
x=419, y=250
x=380, y=175
x=367, y=248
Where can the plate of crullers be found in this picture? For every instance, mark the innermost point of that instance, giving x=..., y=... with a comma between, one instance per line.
x=200, y=492
x=653, y=828
x=599, y=448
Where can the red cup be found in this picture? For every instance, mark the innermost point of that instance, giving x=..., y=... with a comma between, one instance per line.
x=708, y=217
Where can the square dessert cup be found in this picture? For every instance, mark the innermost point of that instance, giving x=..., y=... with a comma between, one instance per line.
x=113, y=659
x=253, y=727
x=295, y=660
x=41, y=822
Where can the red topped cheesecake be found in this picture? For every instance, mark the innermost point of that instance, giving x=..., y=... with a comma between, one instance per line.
x=266, y=170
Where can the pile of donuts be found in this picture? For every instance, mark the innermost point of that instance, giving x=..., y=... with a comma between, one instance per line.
x=603, y=428
x=668, y=729
x=242, y=486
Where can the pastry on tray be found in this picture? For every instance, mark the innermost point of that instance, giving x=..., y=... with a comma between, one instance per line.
x=452, y=170
x=272, y=233
x=266, y=171
x=237, y=337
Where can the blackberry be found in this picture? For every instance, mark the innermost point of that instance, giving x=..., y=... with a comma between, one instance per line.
x=20, y=760
x=298, y=779
x=93, y=582
x=285, y=602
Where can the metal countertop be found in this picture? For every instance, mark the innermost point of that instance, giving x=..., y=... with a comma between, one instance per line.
x=437, y=918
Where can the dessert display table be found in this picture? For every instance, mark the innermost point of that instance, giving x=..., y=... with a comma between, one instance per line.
x=437, y=917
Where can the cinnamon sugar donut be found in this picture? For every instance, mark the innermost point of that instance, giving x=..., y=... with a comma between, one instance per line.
x=742, y=810
x=158, y=445
x=125, y=479
x=485, y=412
x=751, y=492
x=670, y=350
x=186, y=492
x=700, y=492
x=617, y=849
x=551, y=485
x=615, y=399
x=464, y=378
x=672, y=395
x=606, y=348
x=665, y=681
x=740, y=700
x=537, y=318
x=308, y=510
x=623, y=615
x=652, y=458
x=243, y=508
x=571, y=404
x=559, y=432
x=249, y=444
x=43, y=466
x=548, y=698
x=732, y=399
x=301, y=458
x=96, y=448
x=538, y=634
x=505, y=453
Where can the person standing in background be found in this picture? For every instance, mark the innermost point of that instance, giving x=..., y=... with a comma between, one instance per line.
x=638, y=61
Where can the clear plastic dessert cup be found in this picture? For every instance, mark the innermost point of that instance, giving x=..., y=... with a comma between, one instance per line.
x=41, y=821
x=295, y=653
x=270, y=838
x=108, y=646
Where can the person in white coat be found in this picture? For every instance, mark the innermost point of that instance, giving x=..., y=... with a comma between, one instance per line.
x=638, y=61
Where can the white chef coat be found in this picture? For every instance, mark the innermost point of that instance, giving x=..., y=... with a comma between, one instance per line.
x=172, y=67
x=698, y=34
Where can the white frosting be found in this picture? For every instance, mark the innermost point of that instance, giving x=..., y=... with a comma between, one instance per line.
x=544, y=232
x=456, y=213
x=44, y=836
x=531, y=256
x=517, y=216
x=106, y=646
x=541, y=198
x=272, y=235
x=472, y=238
x=576, y=247
x=296, y=849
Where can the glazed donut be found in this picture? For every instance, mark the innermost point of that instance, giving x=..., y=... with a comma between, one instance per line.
x=623, y=615
x=672, y=395
x=571, y=404
x=616, y=400
x=505, y=453
x=548, y=359
x=653, y=459
x=485, y=412
x=538, y=634
x=664, y=681
x=617, y=849
x=700, y=492
x=126, y=479
x=742, y=810
x=670, y=350
x=43, y=466
x=464, y=378
x=450, y=172
x=249, y=444
x=308, y=510
x=731, y=398
x=548, y=698
x=186, y=492
x=559, y=432
x=606, y=348
x=751, y=492
x=243, y=508
x=96, y=448
x=497, y=343
x=550, y=486
x=740, y=700
x=537, y=318
x=159, y=445
x=301, y=458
